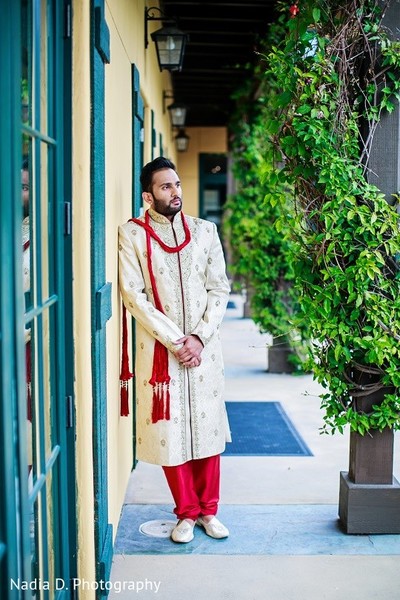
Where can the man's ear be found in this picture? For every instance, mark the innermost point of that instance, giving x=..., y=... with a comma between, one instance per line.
x=147, y=197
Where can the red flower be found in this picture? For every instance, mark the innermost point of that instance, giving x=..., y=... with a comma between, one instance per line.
x=294, y=10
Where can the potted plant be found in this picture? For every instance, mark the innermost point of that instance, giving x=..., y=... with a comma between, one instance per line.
x=339, y=71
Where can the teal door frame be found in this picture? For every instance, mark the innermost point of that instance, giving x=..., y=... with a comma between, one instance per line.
x=101, y=293
x=53, y=479
x=14, y=541
x=137, y=164
x=66, y=101
x=215, y=181
x=137, y=141
x=153, y=135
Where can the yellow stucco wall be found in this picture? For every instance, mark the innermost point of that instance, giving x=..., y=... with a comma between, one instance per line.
x=81, y=291
x=125, y=22
x=118, y=119
x=202, y=140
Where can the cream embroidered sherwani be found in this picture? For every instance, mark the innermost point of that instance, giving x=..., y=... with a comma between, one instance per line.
x=193, y=290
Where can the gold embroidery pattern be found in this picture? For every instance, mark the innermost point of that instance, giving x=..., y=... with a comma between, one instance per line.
x=194, y=412
x=182, y=411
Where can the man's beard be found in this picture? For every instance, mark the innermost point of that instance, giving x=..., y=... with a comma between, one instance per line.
x=166, y=211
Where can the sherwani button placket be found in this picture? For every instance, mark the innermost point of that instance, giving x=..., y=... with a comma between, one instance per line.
x=185, y=332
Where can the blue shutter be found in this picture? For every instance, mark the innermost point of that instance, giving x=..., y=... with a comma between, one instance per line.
x=101, y=290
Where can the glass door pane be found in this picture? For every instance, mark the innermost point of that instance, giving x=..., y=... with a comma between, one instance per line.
x=41, y=237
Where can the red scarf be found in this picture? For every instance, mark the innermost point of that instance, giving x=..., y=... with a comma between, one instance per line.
x=160, y=377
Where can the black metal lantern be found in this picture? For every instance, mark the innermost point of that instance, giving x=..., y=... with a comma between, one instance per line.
x=182, y=141
x=177, y=113
x=170, y=45
x=169, y=40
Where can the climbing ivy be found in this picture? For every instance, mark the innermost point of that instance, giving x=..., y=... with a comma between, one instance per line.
x=260, y=253
x=338, y=74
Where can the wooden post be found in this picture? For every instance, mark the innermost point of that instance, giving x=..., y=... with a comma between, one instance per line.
x=369, y=498
x=371, y=455
x=384, y=158
x=247, y=311
x=278, y=356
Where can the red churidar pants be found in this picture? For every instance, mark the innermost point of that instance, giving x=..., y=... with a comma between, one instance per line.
x=195, y=487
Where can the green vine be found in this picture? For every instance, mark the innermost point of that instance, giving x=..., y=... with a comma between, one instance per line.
x=260, y=253
x=338, y=72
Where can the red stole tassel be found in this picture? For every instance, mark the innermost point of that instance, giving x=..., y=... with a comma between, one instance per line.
x=124, y=401
x=160, y=381
x=126, y=374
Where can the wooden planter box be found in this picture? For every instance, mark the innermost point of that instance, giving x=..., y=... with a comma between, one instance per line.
x=369, y=497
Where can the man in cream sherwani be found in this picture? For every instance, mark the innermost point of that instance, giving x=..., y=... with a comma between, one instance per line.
x=173, y=282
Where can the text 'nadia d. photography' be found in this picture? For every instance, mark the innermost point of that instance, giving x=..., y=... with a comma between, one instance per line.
x=84, y=584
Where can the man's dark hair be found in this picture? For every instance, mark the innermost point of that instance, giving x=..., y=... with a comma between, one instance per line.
x=146, y=176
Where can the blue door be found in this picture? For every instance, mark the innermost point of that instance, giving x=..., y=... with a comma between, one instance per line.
x=101, y=292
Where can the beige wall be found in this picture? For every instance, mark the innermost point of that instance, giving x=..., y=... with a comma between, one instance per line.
x=81, y=291
x=118, y=119
x=125, y=21
x=202, y=140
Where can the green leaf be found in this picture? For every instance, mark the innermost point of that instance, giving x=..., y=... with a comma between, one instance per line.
x=316, y=13
x=284, y=98
x=272, y=126
x=303, y=109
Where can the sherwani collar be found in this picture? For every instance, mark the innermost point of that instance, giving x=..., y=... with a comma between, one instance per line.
x=155, y=216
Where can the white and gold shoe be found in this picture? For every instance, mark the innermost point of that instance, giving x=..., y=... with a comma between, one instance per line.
x=214, y=528
x=183, y=532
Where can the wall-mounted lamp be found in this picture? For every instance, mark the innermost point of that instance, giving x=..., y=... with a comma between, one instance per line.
x=177, y=110
x=177, y=113
x=169, y=40
x=182, y=141
x=166, y=95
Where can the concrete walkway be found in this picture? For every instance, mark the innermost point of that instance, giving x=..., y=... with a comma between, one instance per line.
x=285, y=542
